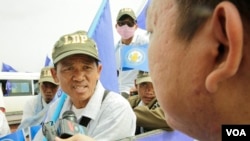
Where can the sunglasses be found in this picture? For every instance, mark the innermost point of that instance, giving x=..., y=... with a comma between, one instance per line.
x=129, y=23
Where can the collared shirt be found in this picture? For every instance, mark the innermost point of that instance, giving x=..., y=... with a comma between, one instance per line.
x=33, y=106
x=126, y=78
x=111, y=119
x=34, y=112
x=149, y=116
x=4, y=126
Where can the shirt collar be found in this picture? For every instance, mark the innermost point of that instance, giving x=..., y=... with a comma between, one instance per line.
x=94, y=105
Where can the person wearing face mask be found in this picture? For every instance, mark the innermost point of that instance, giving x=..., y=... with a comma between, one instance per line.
x=131, y=35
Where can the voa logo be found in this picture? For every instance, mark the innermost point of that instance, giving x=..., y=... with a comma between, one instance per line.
x=236, y=132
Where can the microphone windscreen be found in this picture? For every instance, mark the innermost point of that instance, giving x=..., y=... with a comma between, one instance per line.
x=69, y=115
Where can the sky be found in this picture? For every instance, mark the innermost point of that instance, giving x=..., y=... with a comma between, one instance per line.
x=30, y=28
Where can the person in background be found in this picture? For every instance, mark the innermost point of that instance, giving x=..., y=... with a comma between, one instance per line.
x=77, y=70
x=148, y=112
x=199, y=63
x=35, y=109
x=127, y=28
x=4, y=126
x=145, y=105
x=2, y=104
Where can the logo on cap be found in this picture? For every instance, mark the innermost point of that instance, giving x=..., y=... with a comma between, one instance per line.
x=75, y=39
x=46, y=73
x=127, y=10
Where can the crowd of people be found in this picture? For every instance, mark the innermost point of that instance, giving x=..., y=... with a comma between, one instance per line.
x=131, y=35
x=197, y=78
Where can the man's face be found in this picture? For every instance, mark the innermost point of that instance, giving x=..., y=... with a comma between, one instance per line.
x=78, y=75
x=48, y=91
x=146, y=92
x=178, y=69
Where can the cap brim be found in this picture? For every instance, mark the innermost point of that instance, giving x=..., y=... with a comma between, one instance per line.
x=47, y=79
x=119, y=17
x=143, y=79
x=72, y=52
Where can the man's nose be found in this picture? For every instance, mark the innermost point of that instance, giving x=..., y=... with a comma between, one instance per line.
x=78, y=75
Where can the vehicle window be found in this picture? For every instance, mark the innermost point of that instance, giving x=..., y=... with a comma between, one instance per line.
x=19, y=87
x=36, y=87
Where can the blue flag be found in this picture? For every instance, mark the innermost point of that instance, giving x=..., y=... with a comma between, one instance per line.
x=33, y=130
x=18, y=135
x=7, y=68
x=135, y=57
x=141, y=19
x=101, y=31
x=47, y=61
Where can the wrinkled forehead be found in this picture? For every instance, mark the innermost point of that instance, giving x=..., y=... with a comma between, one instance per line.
x=156, y=9
x=161, y=12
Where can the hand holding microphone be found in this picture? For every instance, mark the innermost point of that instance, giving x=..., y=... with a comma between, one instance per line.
x=63, y=128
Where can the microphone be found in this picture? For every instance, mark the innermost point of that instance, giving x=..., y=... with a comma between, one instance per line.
x=68, y=125
x=64, y=128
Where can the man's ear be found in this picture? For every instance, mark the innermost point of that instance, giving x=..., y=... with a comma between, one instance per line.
x=135, y=83
x=99, y=69
x=53, y=73
x=227, y=28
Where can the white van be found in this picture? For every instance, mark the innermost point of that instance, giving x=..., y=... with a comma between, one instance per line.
x=17, y=88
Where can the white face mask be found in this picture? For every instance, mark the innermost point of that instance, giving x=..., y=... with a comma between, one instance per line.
x=125, y=31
